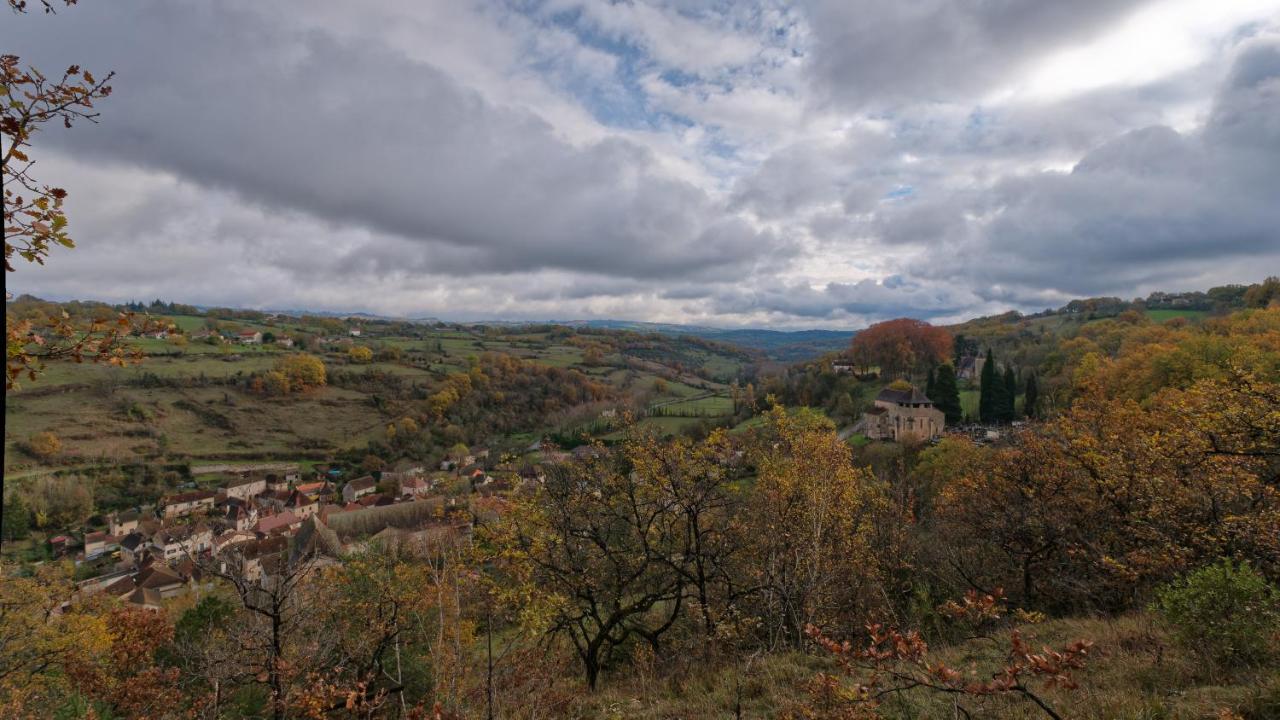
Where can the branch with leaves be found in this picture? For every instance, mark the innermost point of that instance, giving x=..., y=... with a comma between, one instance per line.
x=892, y=662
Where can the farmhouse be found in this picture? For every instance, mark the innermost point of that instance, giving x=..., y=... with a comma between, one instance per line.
x=903, y=415
x=359, y=488
x=249, y=337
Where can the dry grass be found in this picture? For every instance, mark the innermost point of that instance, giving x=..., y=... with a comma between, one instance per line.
x=1136, y=672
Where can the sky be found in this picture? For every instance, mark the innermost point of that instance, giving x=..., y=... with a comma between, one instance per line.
x=821, y=164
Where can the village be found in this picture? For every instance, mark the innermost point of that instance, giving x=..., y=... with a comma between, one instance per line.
x=265, y=520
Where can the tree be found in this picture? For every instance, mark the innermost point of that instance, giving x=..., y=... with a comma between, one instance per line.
x=359, y=354
x=45, y=445
x=946, y=395
x=271, y=611
x=1264, y=294
x=810, y=523
x=15, y=522
x=988, y=400
x=1009, y=412
x=929, y=387
x=1032, y=397
x=372, y=464
x=590, y=546
x=901, y=346
x=38, y=642
x=303, y=371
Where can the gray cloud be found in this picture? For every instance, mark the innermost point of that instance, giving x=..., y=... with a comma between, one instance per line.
x=1148, y=206
x=875, y=53
x=367, y=137
x=830, y=165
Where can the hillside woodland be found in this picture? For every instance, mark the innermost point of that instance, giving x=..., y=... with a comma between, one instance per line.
x=1115, y=557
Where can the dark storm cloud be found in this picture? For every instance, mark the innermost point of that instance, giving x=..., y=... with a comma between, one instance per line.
x=870, y=53
x=364, y=136
x=1149, y=206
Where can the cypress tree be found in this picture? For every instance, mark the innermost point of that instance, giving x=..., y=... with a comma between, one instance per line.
x=1010, y=395
x=987, y=390
x=1032, y=396
x=947, y=398
x=930, y=386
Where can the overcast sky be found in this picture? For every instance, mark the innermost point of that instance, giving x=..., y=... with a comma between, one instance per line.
x=822, y=164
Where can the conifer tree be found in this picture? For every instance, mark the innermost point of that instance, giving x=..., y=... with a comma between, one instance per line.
x=987, y=391
x=946, y=395
x=1032, y=396
x=1009, y=411
x=929, y=386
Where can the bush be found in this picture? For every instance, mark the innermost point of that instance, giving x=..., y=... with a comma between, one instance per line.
x=1226, y=613
x=44, y=445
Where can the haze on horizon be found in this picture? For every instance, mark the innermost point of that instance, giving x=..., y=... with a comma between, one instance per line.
x=826, y=163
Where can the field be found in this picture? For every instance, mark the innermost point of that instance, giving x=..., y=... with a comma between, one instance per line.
x=192, y=403
x=1162, y=315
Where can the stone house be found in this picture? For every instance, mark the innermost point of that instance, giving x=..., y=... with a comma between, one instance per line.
x=246, y=486
x=187, y=503
x=903, y=415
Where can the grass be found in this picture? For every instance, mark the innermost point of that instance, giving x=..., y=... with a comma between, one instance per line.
x=1134, y=672
x=713, y=406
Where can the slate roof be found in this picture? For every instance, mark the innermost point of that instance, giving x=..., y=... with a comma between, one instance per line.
x=903, y=397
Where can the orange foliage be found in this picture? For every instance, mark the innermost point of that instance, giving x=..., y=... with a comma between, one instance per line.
x=901, y=346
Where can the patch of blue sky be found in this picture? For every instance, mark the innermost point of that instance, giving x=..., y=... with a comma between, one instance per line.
x=622, y=103
x=900, y=192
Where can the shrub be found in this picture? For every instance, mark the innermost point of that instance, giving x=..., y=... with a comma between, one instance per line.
x=44, y=445
x=1226, y=613
x=302, y=370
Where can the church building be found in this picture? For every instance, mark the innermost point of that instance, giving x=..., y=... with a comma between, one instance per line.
x=903, y=415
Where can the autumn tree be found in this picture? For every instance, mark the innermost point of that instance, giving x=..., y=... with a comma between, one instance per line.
x=302, y=371
x=45, y=445
x=591, y=546
x=1092, y=508
x=39, y=642
x=265, y=635
x=900, y=347
x=360, y=354
x=812, y=520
